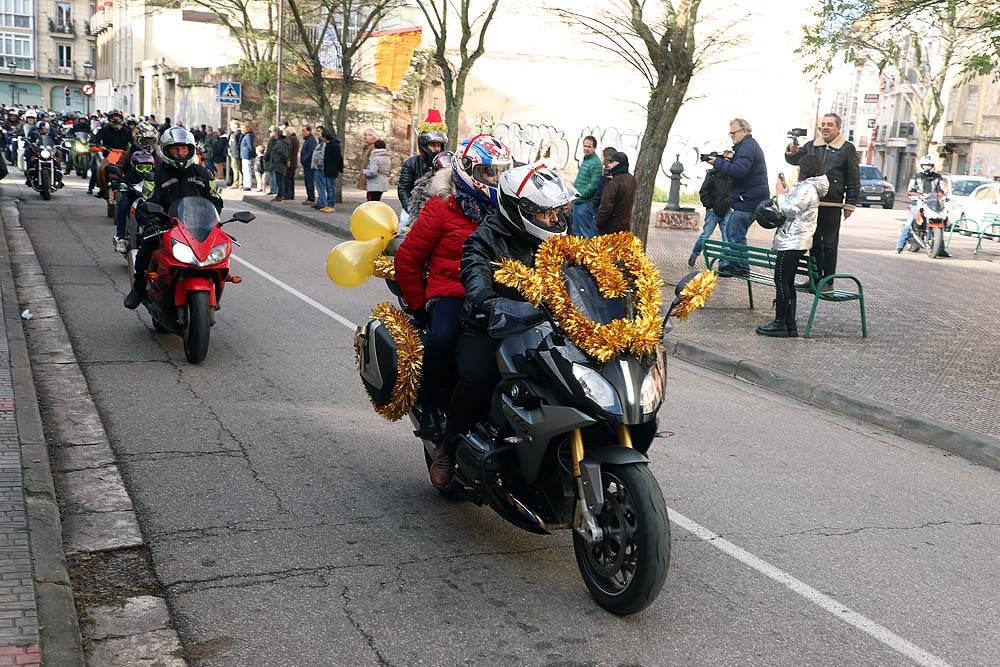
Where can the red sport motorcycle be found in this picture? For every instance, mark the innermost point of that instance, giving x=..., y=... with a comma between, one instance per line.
x=188, y=270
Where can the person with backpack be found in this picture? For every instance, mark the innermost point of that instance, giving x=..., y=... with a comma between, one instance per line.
x=715, y=194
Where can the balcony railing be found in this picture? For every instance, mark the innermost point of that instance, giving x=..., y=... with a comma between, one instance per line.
x=61, y=27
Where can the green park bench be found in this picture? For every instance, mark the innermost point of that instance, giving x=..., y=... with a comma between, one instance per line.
x=762, y=262
x=988, y=227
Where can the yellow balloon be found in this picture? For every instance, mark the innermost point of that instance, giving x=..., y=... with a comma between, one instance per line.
x=374, y=220
x=351, y=263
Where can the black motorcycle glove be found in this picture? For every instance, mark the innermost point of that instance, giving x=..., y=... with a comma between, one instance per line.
x=420, y=318
x=509, y=317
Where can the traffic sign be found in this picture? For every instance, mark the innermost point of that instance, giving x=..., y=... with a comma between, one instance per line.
x=230, y=93
x=88, y=89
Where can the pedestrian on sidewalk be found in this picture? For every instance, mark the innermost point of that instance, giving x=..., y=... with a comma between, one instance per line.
x=279, y=166
x=606, y=154
x=587, y=178
x=316, y=164
x=333, y=166
x=247, y=155
x=235, y=165
x=715, y=194
x=292, y=139
x=840, y=161
x=614, y=214
x=271, y=179
x=800, y=207
x=748, y=172
x=305, y=157
x=368, y=145
x=260, y=168
x=220, y=155
x=377, y=172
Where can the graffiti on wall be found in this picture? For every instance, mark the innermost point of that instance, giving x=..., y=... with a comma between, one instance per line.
x=529, y=141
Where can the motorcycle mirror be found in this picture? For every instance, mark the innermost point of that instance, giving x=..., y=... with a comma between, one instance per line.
x=244, y=217
x=682, y=283
x=154, y=209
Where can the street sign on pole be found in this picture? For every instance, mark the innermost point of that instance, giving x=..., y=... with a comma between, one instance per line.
x=88, y=89
x=230, y=93
x=66, y=91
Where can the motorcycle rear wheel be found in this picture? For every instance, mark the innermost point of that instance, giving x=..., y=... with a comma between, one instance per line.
x=935, y=244
x=626, y=570
x=45, y=185
x=196, y=327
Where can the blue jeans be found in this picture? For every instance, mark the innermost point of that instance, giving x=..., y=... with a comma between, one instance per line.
x=320, y=184
x=583, y=219
x=712, y=220
x=734, y=230
x=440, y=373
x=273, y=180
x=310, y=178
x=904, y=233
x=122, y=207
x=328, y=192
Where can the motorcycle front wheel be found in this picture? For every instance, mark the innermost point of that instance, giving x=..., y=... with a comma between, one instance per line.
x=625, y=571
x=45, y=185
x=935, y=242
x=196, y=327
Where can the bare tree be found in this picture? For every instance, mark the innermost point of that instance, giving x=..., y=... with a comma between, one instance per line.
x=472, y=34
x=925, y=45
x=327, y=37
x=252, y=24
x=657, y=39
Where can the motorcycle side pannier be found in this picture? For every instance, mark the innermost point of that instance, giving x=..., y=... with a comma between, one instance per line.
x=376, y=356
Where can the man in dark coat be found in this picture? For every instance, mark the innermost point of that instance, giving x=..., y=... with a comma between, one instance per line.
x=748, y=172
x=305, y=157
x=292, y=139
x=614, y=214
x=279, y=165
x=333, y=166
x=840, y=158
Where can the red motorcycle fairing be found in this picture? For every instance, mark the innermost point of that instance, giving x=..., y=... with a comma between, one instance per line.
x=181, y=277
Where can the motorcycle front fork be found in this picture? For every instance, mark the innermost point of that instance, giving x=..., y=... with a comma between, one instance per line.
x=584, y=521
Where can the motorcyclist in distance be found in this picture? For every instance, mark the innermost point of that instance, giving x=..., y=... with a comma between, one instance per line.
x=40, y=137
x=113, y=135
x=924, y=182
x=175, y=177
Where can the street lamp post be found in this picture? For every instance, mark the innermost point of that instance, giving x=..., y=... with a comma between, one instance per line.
x=88, y=67
x=12, y=66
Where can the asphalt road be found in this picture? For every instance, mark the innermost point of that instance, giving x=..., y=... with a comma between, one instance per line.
x=292, y=526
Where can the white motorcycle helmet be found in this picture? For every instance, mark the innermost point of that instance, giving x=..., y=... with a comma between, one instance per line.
x=531, y=192
x=927, y=164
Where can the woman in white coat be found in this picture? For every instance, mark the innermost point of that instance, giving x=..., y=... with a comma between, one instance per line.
x=377, y=171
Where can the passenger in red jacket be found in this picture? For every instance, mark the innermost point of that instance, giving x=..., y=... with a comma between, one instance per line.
x=460, y=199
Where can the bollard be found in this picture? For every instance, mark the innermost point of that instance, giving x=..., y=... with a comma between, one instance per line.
x=674, y=198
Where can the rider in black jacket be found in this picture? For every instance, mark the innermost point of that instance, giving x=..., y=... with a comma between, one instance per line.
x=177, y=176
x=429, y=144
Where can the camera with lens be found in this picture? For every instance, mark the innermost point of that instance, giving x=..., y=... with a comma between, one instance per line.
x=705, y=157
x=797, y=132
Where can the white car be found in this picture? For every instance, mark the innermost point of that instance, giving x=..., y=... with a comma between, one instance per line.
x=959, y=189
x=984, y=199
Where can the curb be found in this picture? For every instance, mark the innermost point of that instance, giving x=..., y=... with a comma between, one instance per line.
x=58, y=625
x=91, y=512
x=330, y=227
x=972, y=446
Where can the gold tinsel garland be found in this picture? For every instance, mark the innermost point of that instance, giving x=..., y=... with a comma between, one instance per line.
x=385, y=268
x=409, y=362
x=424, y=126
x=602, y=256
x=696, y=293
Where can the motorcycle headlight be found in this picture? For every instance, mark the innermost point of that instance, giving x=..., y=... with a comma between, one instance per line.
x=183, y=253
x=218, y=254
x=596, y=388
x=45, y=154
x=80, y=148
x=653, y=387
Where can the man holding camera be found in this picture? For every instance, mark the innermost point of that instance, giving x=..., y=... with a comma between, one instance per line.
x=840, y=159
x=748, y=171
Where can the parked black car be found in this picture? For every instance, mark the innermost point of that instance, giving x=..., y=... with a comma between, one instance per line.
x=875, y=189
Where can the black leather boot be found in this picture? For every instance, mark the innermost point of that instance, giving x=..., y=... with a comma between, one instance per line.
x=775, y=329
x=790, y=326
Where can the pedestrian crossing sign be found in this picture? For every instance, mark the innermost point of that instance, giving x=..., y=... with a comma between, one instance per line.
x=230, y=93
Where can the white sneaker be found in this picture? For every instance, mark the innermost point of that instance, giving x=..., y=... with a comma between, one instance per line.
x=120, y=246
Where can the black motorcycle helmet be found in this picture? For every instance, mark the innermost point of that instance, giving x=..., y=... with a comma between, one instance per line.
x=768, y=215
x=425, y=140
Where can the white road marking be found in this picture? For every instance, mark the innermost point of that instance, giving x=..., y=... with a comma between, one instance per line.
x=879, y=632
x=294, y=292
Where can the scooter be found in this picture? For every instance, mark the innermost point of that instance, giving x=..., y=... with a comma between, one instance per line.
x=930, y=221
x=188, y=270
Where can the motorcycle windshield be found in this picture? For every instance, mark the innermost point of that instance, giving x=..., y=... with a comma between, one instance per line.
x=198, y=215
x=587, y=298
x=934, y=203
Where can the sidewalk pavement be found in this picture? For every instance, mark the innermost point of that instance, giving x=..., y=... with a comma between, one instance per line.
x=927, y=369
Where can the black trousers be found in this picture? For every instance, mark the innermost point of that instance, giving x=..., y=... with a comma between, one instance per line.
x=826, y=239
x=784, y=283
x=374, y=195
x=142, y=258
x=476, y=359
x=289, y=185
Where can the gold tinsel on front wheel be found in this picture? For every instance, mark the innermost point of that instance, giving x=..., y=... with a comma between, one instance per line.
x=409, y=362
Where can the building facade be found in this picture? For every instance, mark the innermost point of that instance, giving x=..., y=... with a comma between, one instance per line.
x=972, y=129
x=47, y=51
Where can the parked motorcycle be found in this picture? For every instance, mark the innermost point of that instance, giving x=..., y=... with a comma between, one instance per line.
x=81, y=153
x=929, y=225
x=564, y=444
x=188, y=270
x=43, y=169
